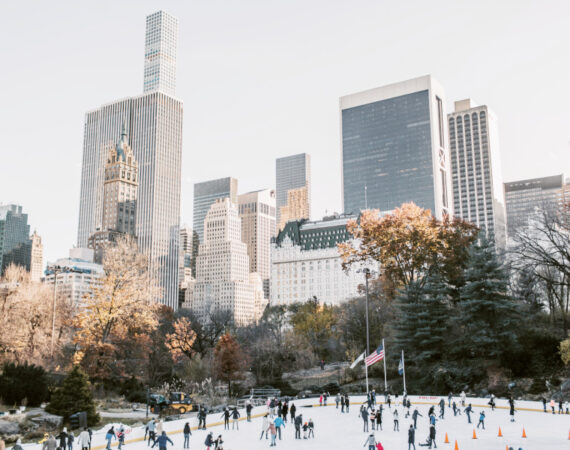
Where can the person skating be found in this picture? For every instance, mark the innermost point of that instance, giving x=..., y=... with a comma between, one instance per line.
x=326, y=396
x=389, y=401
x=560, y=406
x=492, y=402
x=337, y=400
x=109, y=437
x=396, y=421
x=552, y=405
x=411, y=437
x=379, y=419
x=544, y=403
x=71, y=438
x=278, y=424
x=292, y=410
x=273, y=433
x=264, y=426
x=235, y=418
x=371, y=442
x=415, y=415
x=481, y=419
x=162, y=441
x=248, y=408
x=432, y=436
x=159, y=427
x=311, y=429
x=321, y=400
x=84, y=439
x=512, y=409
x=49, y=444
x=463, y=398
x=151, y=427
x=226, y=417
x=364, y=414
x=209, y=440
x=63, y=438
x=218, y=443
x=468, y=411
x=285, y=411
x=441, y=408
x=298, y=423
x=449, y=398
x=454, y=408
x=373, y=419
x=187, y=433
x=431, y=410
x=347, y=402
x=120, y=437
x=342, y=404
x=202, y=418
x=305, y=429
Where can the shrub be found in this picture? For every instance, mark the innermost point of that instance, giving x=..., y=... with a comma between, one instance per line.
x=19, y=382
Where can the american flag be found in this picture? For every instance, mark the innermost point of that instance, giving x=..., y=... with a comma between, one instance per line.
x=375, y=356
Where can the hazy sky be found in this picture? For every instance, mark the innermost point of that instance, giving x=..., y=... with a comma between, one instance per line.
x=261, y=79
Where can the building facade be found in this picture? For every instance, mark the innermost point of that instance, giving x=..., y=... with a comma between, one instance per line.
x=306, y=263
x=78, y=277
x=36, y=257
x=524, y=197
x=154, y=124
x=205, y=195
x=14, y=237
x=394, y=148
x=296, y=208
x=257, y=214
x=476, y=176
x=223, y=281
x=293, y=172
x=160, y=53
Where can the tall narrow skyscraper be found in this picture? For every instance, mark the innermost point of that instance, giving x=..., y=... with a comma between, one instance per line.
x=205, y=195
x=293, y=173
x=14, y=237
x=476, y=169
x=394, y=148
x=154, y=124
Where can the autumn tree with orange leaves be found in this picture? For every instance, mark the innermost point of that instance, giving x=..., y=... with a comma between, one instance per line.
x=229, y=360
x=181, y=341
x=409, y=244
x=115, y=323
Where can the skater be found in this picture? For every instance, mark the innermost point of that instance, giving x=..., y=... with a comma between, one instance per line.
x=512, y=409
x=108, y=437
x=278, y=424
x=202, y=419
x=187, y=432
x=432, y=436
x=552, y=405
x=481, y=419
x=264, y=426
x=544, y=403
x=49, y=444
x=273, y=432
x=162, y=441
x=248, y=408
x=84, y=439
x=379, y=419
x=337, y=400
x=463, y=397
x=311, y=429
x=298, y=423
x=71, y=438
x=346, y=402
x=364, y=414
x=326, y=397
x=415, y=415
x=468, y=411
x=226, y=416
x=209, y=440
x=63, y=438
x=396, y=421
x=235, y=418
x=372, y=419
x=218, y=443
x=342, y=404
x=389, y=401
x=560, y=406
x=151, y=426
x=411, y=437
x=305, y=429
x=159, y=427
x=293, y=409
x=120, y=437
x=454, y=408
x=371, y=442
x=441, y=408
x=449, y=398
x=285, y=411
x=492, y=402
x=321, y=400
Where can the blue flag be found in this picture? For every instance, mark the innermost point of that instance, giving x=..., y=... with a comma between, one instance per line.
x=401, y=366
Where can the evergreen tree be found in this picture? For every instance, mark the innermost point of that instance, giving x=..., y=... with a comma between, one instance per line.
x=487, y=314
x=74, y=396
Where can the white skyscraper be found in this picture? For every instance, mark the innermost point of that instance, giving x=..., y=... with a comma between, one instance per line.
x=154, y=124
x=160, y=53
x=257, y=213
x=223, y=280
x=476, y=169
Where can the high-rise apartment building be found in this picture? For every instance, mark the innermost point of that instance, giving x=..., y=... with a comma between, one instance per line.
x=524, y=197
x=36, y=257
x=476, y=176
x=223, y=280
x=257, y=213
x=187, y=253
x=293, y=172
x=154, y=124
x=205, y=195
x=14, y=237
x=394, y=148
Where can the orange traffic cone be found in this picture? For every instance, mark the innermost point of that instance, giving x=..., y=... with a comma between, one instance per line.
x=446, y=439
x=500, y=433
x=456, y=446
x=474, y=434
x=524, y=433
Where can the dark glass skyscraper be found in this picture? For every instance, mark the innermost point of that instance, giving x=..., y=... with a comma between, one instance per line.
x=15, y=243
x=394, y=148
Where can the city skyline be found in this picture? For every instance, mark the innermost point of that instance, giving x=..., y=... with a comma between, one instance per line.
x=534, y=142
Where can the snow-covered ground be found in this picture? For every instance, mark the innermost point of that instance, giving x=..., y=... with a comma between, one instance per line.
x=334, y=430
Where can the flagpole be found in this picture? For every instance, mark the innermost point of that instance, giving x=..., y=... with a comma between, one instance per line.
x=404, y=368
x=385, y=379
x=366, y=275
x=366, y=369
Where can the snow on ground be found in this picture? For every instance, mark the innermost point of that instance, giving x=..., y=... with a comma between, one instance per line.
x=334, y=430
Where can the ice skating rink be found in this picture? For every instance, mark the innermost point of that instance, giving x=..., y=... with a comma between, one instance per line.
x=334, y=430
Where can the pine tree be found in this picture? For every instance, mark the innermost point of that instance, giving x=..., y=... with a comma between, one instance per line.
x=487, y=314
x=74, y=396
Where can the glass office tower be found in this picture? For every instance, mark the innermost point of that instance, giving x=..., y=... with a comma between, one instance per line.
x=394, y=148
x=293, y=172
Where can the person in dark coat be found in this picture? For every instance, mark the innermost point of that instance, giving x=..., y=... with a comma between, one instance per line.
x=285, y=411
x=187, y=433
x=411, y=437
x=379, y=418
x=248, y=408
x=468, y=411
x=415, y=415
x=441, y=408
x=235, y=418
x=364, y=415
x=292, y=410
x=63, y=438
x=162, y=441
x=298, y=424
x=342, y=403
x=346, y=402
x=226, y=416
x=209, y=440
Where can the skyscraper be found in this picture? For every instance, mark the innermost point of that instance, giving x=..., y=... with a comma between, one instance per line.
x=257, y=213
x=293, y=172
x=205, y=195
x=154, y=124
x=394, y=147
x=524, y=197
x=223, y=280
x=36, y=257
x=476, y=169
x=186, y=251
x=14, y=237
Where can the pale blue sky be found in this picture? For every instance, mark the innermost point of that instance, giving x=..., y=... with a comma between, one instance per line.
x=261, y=79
